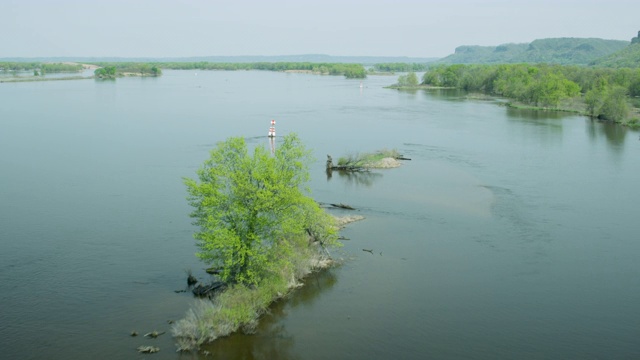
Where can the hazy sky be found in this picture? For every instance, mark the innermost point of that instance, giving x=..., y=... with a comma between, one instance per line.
x=179, y=28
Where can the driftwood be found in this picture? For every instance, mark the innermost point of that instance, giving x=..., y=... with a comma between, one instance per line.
x=401, y=158
x=348, y=168
x=154, y=334
x=205, y=290
x=368, y=250
x=343, y=206
x=213, y=271
x=148, y=349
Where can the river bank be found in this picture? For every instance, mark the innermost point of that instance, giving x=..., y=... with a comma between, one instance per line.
x=632, y=121
x=572, y=105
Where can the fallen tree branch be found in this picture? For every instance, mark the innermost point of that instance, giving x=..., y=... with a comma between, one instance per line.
x=343, y=206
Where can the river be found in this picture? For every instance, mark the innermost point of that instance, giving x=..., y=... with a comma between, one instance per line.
x=509, y=233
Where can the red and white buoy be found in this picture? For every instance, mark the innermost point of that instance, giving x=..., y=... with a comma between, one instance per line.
x=272, y=129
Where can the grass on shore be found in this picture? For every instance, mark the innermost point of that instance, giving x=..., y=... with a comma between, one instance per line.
x=240, y=307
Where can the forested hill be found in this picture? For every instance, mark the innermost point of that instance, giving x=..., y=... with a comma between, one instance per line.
x=627, y=57
x=575, y=51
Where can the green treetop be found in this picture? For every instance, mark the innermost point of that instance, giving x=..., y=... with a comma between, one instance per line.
x=411, y=80
x=252, y=211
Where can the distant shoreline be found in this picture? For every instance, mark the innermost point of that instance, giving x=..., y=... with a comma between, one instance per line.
x=39, y=78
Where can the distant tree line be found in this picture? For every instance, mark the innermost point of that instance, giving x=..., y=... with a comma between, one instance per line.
x=351, y=71
x=606, y=93
x=41, y=67
x=400, y=67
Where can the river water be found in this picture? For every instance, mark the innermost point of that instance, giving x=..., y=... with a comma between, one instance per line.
x=509, y=233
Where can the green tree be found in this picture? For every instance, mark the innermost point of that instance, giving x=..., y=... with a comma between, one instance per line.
x=615, y=106
x=594, y=98
x=155, y=71
x=410, y=79
x=253, y=213
x=549, y=89
x=107, y=72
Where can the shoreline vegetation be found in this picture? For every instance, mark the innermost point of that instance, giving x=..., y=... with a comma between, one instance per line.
x=605, y=94
x=240, y=307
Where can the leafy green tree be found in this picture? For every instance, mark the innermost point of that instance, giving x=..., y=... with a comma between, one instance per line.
x=549, y=89
x=615, y=105
x=634, y=87
x=107, y=72
x=594, y=98
x=410, y=79
x=354, y=71
x=253, y=213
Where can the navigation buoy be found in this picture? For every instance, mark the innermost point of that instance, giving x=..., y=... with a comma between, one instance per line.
x=272, y=129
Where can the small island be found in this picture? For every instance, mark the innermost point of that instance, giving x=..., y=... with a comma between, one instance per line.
x=383, y=159
x=112, y=71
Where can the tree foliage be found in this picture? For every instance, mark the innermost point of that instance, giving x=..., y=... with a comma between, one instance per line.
x=410, y=80
x=107, y=72
x=253, y=213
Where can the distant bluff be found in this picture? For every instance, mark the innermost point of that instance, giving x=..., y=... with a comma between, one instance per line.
x=567, y=51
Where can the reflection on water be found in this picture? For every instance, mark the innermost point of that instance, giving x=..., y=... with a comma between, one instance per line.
x=530, y=114
x=272, y=340
x=365, y=178
x=447, y=94
x=615, y=134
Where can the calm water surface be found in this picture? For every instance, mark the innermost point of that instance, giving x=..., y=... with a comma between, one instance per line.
x=510, y=234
